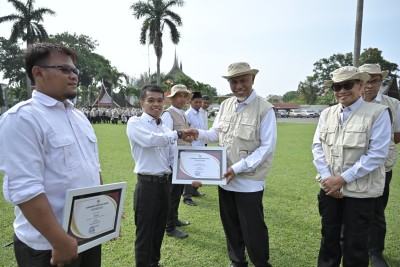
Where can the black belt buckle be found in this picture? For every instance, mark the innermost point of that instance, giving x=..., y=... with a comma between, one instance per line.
x=163, y=178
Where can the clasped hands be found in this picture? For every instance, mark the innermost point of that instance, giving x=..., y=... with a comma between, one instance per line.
x=189, y=135
x=332, y=186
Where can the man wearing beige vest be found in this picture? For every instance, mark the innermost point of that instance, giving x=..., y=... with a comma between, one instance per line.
x=246, y=126
x=350, y=145
x=370, y=93
x=175, y=119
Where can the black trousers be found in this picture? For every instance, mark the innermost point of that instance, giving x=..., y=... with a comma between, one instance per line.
x=176, y=191
x=377, y=229
x=29, y=257
x=189, y=191
x=242, y=217
x=354, y=216
x=151, y=204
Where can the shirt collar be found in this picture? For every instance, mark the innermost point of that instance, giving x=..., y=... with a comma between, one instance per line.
x=150, y=119
x=194, y=111
x=354, y=105
x=180, y=111
x=249, y=99
x=49, y=101
x=378, y=98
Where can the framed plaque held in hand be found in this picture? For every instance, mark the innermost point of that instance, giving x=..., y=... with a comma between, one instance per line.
x=204, y=164
x=92, y=215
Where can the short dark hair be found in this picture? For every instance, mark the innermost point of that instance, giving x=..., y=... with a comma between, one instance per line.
x=206, y=97
x=38, y=52
x=150, y=88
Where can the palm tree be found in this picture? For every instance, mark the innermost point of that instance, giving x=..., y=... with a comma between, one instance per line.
x=157, y=14
x=27, y=25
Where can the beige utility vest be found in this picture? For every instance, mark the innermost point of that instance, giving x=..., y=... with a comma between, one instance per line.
x=343, y=145
x=240, y=134
x=179, y=124
x=392, y=103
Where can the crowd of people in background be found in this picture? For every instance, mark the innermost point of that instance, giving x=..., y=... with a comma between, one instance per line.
x=110, y=115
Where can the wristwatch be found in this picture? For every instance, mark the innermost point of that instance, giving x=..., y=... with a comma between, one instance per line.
x=179, y=134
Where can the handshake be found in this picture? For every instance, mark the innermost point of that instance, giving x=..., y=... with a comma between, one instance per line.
x=188, y=135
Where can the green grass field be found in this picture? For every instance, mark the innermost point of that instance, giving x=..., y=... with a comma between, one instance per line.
x=290, y=203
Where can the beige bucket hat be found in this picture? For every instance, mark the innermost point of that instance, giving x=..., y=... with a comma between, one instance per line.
x=179, y=88
x=373, y=69
x=238, y=69
x=345, y=74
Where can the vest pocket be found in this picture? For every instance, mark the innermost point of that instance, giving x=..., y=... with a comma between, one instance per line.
x=355, y=136
x=359, y=185
x=327, y=134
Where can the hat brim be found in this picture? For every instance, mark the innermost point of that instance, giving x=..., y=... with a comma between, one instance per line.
x=252, y=72
x=188, y=94
x=363, y=76
x=384, y=73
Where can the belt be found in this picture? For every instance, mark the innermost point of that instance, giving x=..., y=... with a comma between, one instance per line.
x=153, y=178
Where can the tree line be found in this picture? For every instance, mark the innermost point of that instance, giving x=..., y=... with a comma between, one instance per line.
x=311, y=90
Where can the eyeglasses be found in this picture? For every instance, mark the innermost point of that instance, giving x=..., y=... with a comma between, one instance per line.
x=374, y=82
x=64, y=69
x=348, y=85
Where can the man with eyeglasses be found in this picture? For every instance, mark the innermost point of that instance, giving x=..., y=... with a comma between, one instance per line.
x=349, y=148
x=47, y=147
x=370, y=93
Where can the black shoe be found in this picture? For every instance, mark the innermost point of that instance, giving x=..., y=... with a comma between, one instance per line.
x=181, y=223
x=177, y=233
x=189, y=202
x=377, y=260
x=199, y=194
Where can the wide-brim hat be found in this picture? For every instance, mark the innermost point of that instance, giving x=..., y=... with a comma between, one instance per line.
x=345, y=74
x=239, y=69
x=373, y=69
x=179, y=88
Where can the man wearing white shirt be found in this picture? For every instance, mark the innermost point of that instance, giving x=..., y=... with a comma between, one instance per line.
x=47, y=147
x=246, y=126
x=370, y=93
x=196, y=120
x=175, y=119
x=152, y=146
x=204, y=109
x=349, y=147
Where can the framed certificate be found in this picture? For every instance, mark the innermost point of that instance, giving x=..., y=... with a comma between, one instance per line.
x=93, y=214
x=200, y=163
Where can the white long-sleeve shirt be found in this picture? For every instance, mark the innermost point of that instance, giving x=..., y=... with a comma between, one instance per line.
x=375, y=156
x=152, y=145
x=196, y=120
x=268, y=137
x=46, y=147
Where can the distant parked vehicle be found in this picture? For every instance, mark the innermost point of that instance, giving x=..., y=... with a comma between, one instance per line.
x=282, y=113
x=308, y=114
x=295, y=113
x=318, y=112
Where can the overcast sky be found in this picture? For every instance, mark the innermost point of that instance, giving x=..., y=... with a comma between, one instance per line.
x=283, y=39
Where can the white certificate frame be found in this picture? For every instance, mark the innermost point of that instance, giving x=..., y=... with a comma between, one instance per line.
x=116, y=191
x=179, y=176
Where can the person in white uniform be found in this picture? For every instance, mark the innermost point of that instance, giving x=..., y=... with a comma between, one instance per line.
x=47, y=147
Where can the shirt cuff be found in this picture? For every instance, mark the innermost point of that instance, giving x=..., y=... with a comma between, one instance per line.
x=325, y=175
x=349, y=176
x=237, y=168
x=201, y=134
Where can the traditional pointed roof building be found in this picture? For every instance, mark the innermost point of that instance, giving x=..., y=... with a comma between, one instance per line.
x=176, y=69
x=104, y=99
